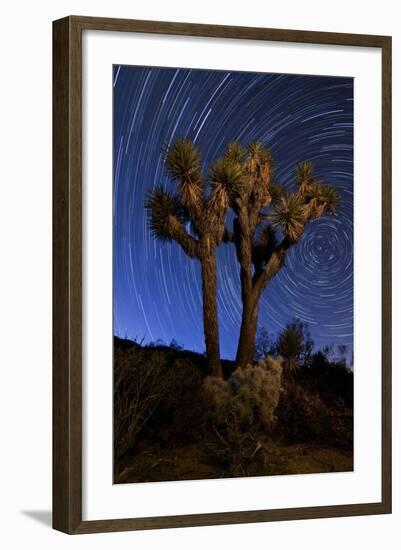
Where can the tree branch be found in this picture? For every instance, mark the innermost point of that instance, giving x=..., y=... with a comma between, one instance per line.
x=244, y=248
x=260, y=195
x=180, y=234
x=273, y=266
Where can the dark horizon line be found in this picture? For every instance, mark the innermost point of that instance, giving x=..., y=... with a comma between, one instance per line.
x=161, y=343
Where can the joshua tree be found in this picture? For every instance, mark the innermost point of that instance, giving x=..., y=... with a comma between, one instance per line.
x=268, y=221
x=193, y=216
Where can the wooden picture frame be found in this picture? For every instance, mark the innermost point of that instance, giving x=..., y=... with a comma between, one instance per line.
x=67, y=274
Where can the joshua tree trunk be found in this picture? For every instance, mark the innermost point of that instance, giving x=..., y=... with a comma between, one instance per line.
x=210, y=323
x=246, y=342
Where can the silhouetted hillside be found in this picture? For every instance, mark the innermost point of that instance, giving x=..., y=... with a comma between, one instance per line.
x=173, y=354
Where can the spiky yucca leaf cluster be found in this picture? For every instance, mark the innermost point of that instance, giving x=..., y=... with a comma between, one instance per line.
x=257, y=166
x=184, y=164
x=329, y=197
x=183, y=160
x=276, y=191
x=226, y=180
x=288, y=213
x=290, y=347
x=304, y=176
x=314, y=206
x=162, y=206
x=235, y=152
x=258, y=159
x=257, y=151
x=320, y=198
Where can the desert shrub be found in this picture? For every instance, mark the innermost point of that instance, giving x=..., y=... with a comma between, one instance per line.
x=304, y=417
x=251, y=394
x=232, y=447
x=341, y=426
x=239, y=408
x=301, y=414
x=332, y=379
x=217, y=395
x=181, y=412
x=157, y=395
x=141, y=381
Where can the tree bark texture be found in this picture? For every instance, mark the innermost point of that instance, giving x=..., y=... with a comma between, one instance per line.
x=249, y=322
x=210, y=319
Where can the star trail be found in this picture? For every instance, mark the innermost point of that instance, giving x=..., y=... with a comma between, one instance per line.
x=157, y=288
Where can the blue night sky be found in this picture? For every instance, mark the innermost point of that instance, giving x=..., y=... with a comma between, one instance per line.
x=157, y=288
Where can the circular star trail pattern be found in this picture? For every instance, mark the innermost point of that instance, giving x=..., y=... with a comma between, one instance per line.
x=157, y=288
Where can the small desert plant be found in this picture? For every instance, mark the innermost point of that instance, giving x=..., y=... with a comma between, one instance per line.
x=241, y=407
x=304, y=417
x=181, y=412
x=141, y=381
x=295, y=345
x=157, y=394
x=251, y=394
x=333, y=380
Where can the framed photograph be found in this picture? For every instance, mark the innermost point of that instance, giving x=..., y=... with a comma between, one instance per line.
x=222, y=274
